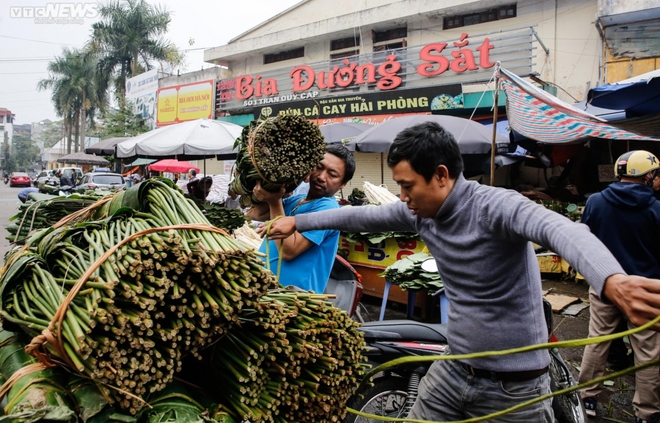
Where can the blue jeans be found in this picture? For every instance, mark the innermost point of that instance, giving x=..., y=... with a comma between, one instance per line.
x=448, y=393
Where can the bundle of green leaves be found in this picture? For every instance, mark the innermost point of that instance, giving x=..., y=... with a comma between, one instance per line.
x=224, y=218
x=409, y=275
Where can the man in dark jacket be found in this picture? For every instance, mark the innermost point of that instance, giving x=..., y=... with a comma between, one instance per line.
x=626, y=218
x=65, y=180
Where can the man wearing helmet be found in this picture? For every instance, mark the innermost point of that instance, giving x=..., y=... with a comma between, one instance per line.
x=626, y=218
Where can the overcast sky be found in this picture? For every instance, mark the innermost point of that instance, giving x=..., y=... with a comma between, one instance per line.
x=28, y=44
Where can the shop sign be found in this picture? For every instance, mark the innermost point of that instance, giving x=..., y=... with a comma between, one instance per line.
x=368, y=119
x=141, y=91
x=451, y=62
x=378, y=255
x=180, y=103
x=408, y=101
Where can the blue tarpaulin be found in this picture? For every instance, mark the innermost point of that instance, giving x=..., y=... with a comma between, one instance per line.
x=638, y=96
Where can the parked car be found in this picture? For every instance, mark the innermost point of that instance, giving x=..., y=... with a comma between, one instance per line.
x=42, y=176
x=101, y=180
x=19, y=179
x=76, y=170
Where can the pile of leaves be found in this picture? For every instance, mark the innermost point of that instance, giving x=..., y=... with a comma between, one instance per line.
x=276, y=151
x=375, y=238
x=409, y=275
x=222, y=217
x=44, y=213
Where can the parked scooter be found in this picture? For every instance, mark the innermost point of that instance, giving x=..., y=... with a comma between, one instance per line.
x=5, y=179
x=394, y=390
x=66, y=190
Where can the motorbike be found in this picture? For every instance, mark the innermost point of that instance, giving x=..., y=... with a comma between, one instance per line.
x=394, y=390
x=5, y=179
x=66, y=190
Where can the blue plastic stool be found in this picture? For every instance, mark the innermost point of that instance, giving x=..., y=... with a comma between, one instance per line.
x=410, y=310
x=412, y=294
x=444, y=308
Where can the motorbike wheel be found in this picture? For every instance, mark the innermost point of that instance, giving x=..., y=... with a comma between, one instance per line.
x=386, y=398
x=568, y=408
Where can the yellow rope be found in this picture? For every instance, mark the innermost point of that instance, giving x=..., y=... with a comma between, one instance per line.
x=561, y=344
x=279, y=251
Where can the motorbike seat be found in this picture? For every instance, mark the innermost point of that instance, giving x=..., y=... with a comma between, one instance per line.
x=405, y=330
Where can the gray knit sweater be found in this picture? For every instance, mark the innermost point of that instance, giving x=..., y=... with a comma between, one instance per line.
x=480, y=240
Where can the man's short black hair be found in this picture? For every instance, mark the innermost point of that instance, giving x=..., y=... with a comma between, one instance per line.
x=193, y=172
x=426, y=146
x=344, y=154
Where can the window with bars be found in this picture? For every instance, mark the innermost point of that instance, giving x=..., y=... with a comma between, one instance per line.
x=284, y=55
x=344, y=43
x=457, y=21
x=390, y=34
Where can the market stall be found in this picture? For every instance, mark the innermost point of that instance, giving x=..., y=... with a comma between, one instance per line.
x=369, y=260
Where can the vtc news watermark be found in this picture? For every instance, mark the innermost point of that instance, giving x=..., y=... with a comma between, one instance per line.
x=56, y=13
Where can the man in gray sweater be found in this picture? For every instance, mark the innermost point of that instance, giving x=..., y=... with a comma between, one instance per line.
x=480, y=237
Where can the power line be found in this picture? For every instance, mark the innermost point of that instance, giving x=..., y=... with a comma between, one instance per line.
x=27, y=59
x=38, y=41
x=23, y=73
x=16, y=92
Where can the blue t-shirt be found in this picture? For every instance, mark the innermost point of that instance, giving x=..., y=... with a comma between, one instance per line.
x=311, y=269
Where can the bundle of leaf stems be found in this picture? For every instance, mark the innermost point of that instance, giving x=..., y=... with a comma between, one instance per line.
x=276, y=151
x=143, y=307
x=296, y=358
x=41, y=214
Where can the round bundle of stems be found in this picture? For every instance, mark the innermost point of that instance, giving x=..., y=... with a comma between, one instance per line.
x=140, y=305
x=276, y=151
x=295, y=358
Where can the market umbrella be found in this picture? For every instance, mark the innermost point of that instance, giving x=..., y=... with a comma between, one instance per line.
x=190, y=140
x=472, y=137
x=140, y=162
x=638, y=96
x=105, y=147
x=171, y=165
x=81, y=158
x=343, y=132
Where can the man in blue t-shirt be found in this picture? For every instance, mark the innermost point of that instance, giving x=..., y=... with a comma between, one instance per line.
x=307, y=258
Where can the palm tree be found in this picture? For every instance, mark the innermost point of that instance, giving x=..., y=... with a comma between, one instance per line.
x=128, y=36
x=78, y=91
x=64, y=96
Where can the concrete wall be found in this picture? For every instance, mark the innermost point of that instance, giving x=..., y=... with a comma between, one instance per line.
x=566, y=28
x=187, y=78
x=613, y=7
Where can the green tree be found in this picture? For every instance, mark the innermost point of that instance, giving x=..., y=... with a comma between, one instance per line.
x=122, y=122
x=23, y=154
x=79, y=91
x=129, y=36
x=53, y=133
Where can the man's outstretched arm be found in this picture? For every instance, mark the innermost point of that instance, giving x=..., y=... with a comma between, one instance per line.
x=637, y=297
x=293, y=245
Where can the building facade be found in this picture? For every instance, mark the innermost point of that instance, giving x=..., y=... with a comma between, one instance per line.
x=630, y=43
x=370, y=60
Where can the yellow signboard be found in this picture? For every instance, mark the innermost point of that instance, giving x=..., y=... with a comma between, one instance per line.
x=185, y=102
x=378, y=255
